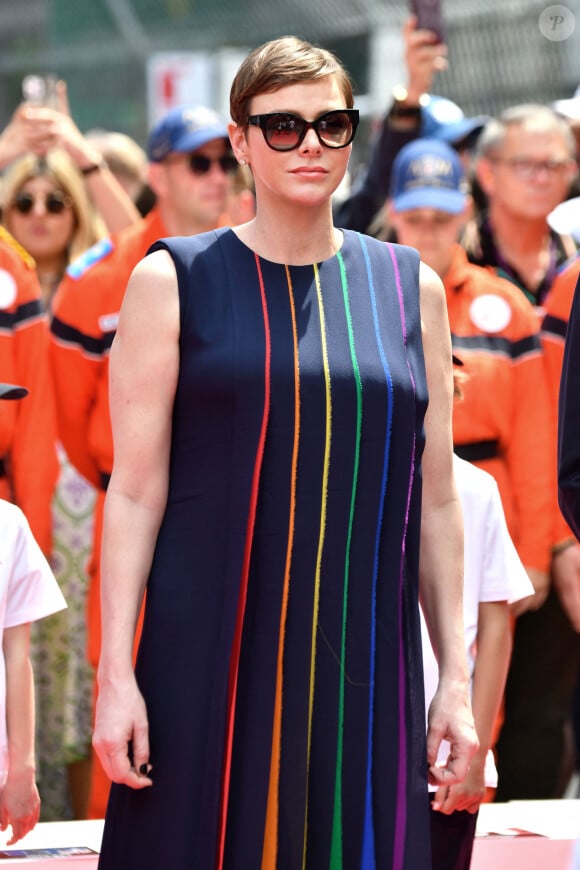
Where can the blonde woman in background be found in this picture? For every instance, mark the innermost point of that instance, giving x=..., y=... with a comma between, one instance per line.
x=47, y=209
x=40, y=129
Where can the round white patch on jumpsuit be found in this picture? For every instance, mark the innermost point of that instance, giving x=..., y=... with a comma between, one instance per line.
x=490, y=313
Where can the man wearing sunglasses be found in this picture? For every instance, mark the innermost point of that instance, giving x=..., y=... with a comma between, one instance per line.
x=190, y=169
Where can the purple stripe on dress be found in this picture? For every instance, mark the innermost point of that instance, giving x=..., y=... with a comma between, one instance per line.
x=368, y=854
x=401, y=813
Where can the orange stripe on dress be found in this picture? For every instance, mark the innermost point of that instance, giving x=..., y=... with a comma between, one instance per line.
x=237, y=639
x=270, y=849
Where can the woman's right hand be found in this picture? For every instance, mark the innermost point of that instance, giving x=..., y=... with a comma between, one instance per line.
x=37, y=129
x=121, y=735
x=19, y=137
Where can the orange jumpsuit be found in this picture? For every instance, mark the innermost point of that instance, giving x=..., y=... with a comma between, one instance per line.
x=503, y=423
x=28, y=461
x=84, y=320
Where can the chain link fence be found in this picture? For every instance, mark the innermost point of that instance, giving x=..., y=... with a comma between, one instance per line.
x=498, y=53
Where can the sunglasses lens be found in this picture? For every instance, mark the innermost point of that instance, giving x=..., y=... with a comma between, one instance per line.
x=23, y=203
x=55, y=203
x=335, y=129
x=283, y=131
x=228, y=163
x=199, y=164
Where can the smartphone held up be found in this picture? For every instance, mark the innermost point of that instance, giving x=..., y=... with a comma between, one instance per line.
x=39, y=89
x=429, y=14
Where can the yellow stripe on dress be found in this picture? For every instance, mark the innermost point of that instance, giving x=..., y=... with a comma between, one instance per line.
x=321, y=537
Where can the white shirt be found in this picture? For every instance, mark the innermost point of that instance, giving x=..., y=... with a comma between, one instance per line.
x=492, y=572
x=28, y=591
x=565, y=218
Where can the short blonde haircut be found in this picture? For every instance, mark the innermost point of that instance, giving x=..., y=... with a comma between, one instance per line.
x=58, y=166
x=125, y=158
x=279, y=63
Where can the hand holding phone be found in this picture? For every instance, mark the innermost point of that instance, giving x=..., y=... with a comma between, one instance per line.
x=429, y=14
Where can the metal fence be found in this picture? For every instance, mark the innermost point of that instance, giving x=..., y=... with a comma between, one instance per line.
x=498, y=53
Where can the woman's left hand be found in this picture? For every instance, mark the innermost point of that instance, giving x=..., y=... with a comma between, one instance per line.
x=451, y=719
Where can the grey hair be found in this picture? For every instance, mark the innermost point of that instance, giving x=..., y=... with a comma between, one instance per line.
x=533, y=118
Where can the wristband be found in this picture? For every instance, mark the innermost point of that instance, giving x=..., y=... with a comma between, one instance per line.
x=400, y=107
x=94, y=167
x=400, y=111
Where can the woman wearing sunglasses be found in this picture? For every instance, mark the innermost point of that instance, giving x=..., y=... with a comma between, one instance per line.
x=268, y=401
x=40, y=128
x=47, y=209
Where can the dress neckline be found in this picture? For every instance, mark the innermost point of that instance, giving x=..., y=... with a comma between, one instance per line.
x=319, y=263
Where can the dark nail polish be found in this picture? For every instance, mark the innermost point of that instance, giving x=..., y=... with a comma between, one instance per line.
x=143, y=770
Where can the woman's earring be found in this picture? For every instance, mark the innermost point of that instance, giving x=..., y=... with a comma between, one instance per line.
x=242, y=161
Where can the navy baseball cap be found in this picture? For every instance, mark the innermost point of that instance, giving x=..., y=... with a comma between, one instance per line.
x=443, y=119
x=428, y=173
x=184, y=129
x=11, y=391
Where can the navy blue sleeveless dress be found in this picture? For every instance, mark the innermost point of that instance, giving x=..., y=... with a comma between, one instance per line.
x=280, y=657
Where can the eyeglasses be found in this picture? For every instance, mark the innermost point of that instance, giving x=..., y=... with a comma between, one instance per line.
x=201, y=165
x=284, y=131
x=54, y=203
x=527, y=169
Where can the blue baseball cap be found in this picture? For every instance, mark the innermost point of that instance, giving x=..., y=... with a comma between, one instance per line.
x=443, y=119
x=184, y=129
x=428, y=173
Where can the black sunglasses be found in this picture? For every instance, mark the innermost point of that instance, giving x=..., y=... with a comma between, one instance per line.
x=284, y=131
x=54, y=203
x=200, y=164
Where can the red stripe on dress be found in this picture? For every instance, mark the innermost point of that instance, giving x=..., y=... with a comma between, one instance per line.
x=237, y=640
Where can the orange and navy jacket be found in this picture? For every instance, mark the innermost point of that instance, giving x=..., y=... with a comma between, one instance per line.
x=482, y=250
x=554, y=326
x=28, y=460
x=555, y=320
x=84, y=320
x=503, y=422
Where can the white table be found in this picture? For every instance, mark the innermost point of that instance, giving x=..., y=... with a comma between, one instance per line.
x=520, y=835
x=534, y=835
x=52, y=835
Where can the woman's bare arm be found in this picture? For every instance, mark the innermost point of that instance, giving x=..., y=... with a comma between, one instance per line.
x=143, y=375
x=441, y=562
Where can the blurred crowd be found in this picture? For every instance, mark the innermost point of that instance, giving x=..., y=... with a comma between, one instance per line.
x=491, y=203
